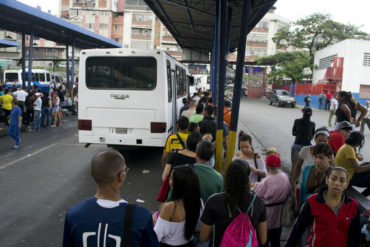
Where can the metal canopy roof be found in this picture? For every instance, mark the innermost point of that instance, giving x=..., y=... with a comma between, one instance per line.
x=191, y=22
x=8, y=43
x=21, y=18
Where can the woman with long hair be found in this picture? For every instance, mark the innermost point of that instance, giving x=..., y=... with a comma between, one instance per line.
x=179, y=217
x=256, y=163
x=305, y=156
x=313, y=175
x=347, y=109
x=332, y=216
x=222, y=208
x=303, y=130
x=359, y=175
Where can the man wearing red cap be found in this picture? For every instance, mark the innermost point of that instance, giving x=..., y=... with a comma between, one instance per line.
x=274, y=190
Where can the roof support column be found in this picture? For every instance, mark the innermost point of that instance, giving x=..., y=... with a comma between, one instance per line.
x=229, y=16
x=238, y=83
x=214, y=56
x=30, y=54
x=73, y=66
x=221, y=82
x=67, y=65
x=23, y=60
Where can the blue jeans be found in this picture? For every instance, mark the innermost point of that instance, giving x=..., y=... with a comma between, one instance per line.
x=36, y=120
x=13, y=132
x=45, y=113
x=294, y=154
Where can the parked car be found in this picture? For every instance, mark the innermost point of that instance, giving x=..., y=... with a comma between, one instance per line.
x=281, y=98
x=229, y=89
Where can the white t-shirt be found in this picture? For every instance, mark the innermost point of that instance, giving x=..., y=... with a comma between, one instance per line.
x=20, y=95
x=333, y=102
x=57, y=101
x=37, y=104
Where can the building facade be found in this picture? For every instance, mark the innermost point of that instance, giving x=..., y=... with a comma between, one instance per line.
x=347, y=64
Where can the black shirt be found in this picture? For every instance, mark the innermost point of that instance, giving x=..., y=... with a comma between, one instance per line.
x=208, y=125
x=217, y=213
x=176, y=159
x=307, y=100
x=303, y=131
x=341, y=116
x=45, y=101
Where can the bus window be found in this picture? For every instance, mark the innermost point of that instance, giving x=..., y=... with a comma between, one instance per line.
x=169, y=79
x=180, y=82
x=11, y=77
x=133, y=73
x=42, y=77
x=48, y=77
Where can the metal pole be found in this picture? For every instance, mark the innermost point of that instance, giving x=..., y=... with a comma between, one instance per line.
x=73, y=66
x=229, y=16
x=30, y=53
x=238, y=83
x=23, y=60
x=221, y=82
x=67, y=65
x=214, y=64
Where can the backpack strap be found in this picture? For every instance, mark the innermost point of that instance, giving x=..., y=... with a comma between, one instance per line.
x=255, y=160
x=181, y=141
x=127, y=224
x=250, y=205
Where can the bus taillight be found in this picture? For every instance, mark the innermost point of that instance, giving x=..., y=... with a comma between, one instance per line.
x=156, y=127
x=84, y=124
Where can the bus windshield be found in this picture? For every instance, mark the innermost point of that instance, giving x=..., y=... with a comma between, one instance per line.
x=11, y=77
x=133, y=73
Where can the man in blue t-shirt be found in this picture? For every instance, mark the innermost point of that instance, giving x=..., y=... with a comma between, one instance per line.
x=99, y=221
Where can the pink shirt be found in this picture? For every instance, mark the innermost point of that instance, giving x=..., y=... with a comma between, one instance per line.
x=273, y=189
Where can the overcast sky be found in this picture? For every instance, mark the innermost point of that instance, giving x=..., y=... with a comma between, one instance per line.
x=354, y=12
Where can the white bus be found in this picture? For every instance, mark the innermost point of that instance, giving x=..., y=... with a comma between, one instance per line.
x=129, y=97
x=41, y=77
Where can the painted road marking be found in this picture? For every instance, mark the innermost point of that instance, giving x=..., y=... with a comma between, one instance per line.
x=27, y=156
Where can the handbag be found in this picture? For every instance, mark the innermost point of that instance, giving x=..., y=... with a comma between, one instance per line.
x=163, y=191
x=255, y=163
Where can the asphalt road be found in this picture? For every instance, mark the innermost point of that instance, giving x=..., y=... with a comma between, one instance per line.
x=50, y=172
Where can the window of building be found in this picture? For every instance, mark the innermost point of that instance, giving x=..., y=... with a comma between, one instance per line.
x=326, y=62
x=103, y=26
x=263, y=24
x=116, y=27
x=141, y=32
x=366, y=61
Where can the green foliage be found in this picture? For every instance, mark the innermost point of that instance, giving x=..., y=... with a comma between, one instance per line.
x=291, y=64
x=316, y=32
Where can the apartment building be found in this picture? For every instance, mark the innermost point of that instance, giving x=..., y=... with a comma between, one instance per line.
x=259, y=40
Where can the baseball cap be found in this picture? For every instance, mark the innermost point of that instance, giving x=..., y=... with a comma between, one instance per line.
x=273, y=160
x=345, y=125
x=37, y=94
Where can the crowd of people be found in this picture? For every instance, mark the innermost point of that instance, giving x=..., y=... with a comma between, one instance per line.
x=34, y=108
x=247, y=204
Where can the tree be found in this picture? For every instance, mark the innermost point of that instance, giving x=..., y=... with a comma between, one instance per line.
x=291, y=64
x=316, y=32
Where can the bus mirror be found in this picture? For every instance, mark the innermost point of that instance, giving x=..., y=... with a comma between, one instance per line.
x=191, y=81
